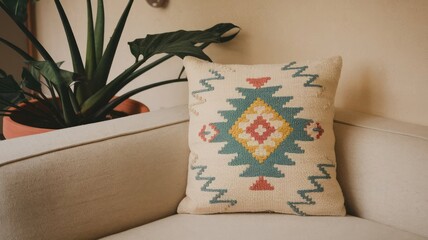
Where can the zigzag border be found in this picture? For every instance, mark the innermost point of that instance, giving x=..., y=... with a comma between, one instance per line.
x=209, y=180
x=207, y=88
x=318, y=188
x=298, y=73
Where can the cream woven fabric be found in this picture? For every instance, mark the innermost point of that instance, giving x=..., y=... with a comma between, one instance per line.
x=261, y=138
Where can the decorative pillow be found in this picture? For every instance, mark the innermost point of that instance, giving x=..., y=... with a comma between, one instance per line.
x=261, y=138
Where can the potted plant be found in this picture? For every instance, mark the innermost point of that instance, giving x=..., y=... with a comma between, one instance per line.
x=49, y=97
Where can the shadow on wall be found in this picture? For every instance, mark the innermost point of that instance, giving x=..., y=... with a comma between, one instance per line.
x=366, y=94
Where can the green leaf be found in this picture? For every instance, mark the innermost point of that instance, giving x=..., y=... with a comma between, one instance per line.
x=30, y=82
x=99, y=31
x=10, y=91
x=104, y=66
x=47, y=71
x=18, y=8
x=34, y=72
x=222, y=28
x=74, y=102
x=72, y=44
x=181, y=43
x=8, y=83
x=90, y=44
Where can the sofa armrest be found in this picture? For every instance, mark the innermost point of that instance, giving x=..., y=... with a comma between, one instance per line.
x=383, y=169
x=91, y=181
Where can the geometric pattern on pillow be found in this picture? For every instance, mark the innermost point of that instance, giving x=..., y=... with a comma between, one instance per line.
x=261, y=138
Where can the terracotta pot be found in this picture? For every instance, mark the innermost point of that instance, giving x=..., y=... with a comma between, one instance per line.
x=13, y=129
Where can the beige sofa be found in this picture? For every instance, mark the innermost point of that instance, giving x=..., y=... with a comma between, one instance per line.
x=123, y=179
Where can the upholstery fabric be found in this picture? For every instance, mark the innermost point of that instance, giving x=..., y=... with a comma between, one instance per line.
x=262, y=226
x=382, y=168
x=119, y=175
x=261, y=138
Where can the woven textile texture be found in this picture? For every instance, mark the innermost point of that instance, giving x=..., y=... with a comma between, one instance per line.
x=261, y=138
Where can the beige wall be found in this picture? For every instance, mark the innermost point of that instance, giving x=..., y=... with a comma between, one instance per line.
x=384, y=44
x=10, y=62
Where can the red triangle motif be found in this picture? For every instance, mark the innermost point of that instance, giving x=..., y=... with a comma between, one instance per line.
x=261, y=184
x=258, y=82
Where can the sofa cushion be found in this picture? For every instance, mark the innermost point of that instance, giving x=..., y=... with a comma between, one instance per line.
x=262, y=226
x=261, y=138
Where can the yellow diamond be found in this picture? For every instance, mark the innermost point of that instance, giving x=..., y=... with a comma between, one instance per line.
x=260, y=129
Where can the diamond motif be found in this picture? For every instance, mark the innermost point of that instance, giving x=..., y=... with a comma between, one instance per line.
x=260, y=129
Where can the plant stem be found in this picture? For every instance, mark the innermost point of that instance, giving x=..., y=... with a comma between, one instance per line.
x=115, y=102
x=33, y=114
x=147, y=68
x=46, y=102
